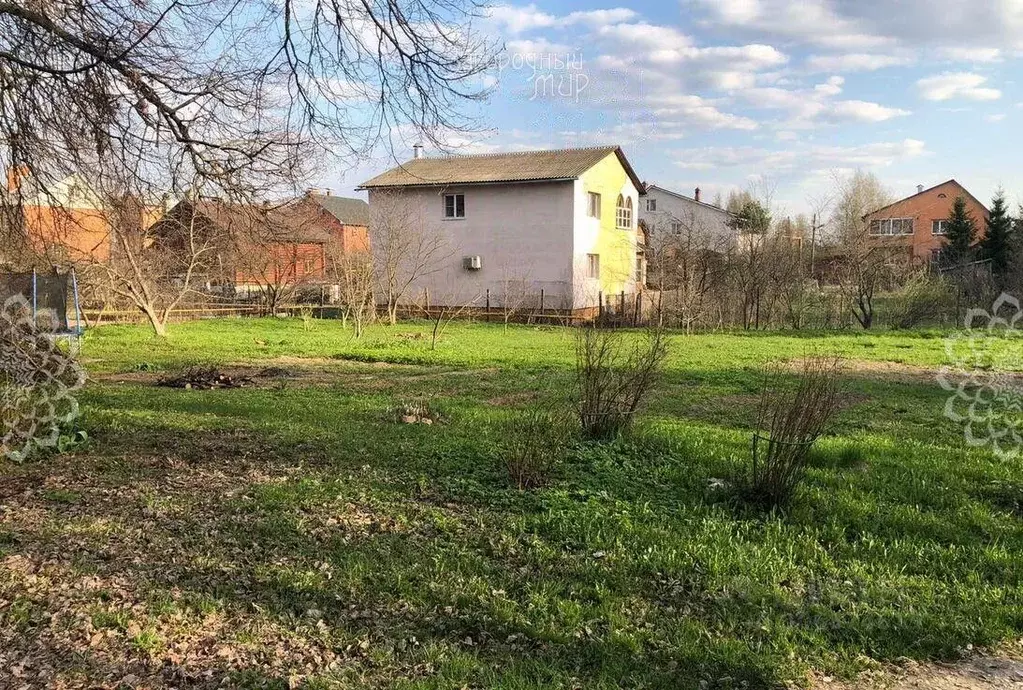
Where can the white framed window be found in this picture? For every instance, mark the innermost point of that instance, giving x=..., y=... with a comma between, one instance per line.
x=593, y=266
x=891, y=226
x=593, y=205
x=640, y=267
x=938, y=226
x=454, y=206
x=651, y=204
x=623, y=212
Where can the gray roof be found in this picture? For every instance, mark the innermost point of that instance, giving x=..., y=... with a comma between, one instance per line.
x=496, y=168
x=678, y=195
x=348, y=211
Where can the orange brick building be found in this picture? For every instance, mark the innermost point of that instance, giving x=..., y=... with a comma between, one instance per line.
x=916, y=223
x=289, y=244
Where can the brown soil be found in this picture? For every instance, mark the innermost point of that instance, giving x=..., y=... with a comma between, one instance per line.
x=1002, y=670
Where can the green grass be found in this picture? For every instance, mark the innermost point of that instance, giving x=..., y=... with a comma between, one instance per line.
x=302, y=529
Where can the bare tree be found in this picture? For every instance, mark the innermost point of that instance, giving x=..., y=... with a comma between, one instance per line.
x=353, y=274
x=518, y=292
x=276, y=249
x=233, y=93
x=405, y=250
x=449, y=307
x=155, y=266
x=865, y=268
x=686, y=264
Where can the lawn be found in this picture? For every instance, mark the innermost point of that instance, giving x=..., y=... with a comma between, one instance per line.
x=295, y=533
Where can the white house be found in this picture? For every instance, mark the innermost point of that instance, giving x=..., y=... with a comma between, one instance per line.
x=511, y=225
x=665, y=212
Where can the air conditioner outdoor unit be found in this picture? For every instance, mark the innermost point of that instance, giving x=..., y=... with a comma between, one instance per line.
x=472, y=263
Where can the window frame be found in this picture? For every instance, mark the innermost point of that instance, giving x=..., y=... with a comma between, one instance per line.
x=593, y=202
x=593, y=266
x=623, y=212
x=455, y=206
x=890, y=223
x=640, y=267
x=940, y=224
x=651, y=205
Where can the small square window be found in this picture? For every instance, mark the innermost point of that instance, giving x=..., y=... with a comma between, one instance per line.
x=454, y=206
x=938, y=226
x=593, y=205
x=651, y=204
x=593, y=266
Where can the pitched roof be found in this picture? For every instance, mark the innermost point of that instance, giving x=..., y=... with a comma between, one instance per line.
x=267, y=224
x=348, y=211
x=929, y=189
x=496, y=168
x=690, y=199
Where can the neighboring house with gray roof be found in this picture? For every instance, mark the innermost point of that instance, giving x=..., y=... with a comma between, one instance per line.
x=562, y=222
x=665, y=212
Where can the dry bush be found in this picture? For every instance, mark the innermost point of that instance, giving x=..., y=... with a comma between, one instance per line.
x=922, y=299
x=615, y=372
x=790, y=418
x=535, y=444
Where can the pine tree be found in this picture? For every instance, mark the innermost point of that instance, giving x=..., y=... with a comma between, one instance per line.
x=997, y=243
x=960, y=231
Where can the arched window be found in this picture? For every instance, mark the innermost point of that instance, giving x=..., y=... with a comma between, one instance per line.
x=623, y=212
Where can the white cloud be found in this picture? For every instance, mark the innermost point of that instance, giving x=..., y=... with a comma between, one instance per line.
x=805, y=158
x=516, y=20
x=928, y=25
x=854, y=62
x=995, y=117
x=964, y=54
x=862, y=111
x=950, y=85
x=807, y=107
x=699, y=112
x=832, y=87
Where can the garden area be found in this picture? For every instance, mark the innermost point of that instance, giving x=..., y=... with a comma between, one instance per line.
x=270, y=503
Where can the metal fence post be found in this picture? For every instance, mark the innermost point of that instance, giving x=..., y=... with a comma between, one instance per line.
x=488, y=305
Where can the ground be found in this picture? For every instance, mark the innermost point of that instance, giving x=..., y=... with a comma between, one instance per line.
x=294, y=532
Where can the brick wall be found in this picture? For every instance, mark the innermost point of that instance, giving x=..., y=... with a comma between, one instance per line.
x=923, y=208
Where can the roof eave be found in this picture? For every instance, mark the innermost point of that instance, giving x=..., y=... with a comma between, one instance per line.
x=365, y=186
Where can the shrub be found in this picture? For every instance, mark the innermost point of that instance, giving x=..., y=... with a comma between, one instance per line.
x=535, y=444
x=615, y=372
x=922, y=299
x=790, y=418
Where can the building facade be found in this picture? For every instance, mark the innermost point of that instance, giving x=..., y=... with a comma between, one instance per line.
x=916, y=223
x=665, y=212
x=509, y=227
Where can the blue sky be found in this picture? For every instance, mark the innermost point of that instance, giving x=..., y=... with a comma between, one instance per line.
x=719, y=93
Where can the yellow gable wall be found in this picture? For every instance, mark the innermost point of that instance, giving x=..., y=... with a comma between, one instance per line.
x=616, y=247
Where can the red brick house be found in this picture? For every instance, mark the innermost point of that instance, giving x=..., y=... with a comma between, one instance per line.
x=260, y=248
x=916, y=223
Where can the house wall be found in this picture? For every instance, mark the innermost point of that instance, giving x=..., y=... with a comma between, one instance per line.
x=616, y=247
x=523, y=234
x=933, y=204
x=281, y=263
x=72, y=234
x=708, y=224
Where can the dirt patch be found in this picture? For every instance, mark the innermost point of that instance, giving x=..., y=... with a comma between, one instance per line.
x=976, y=673
x=894, y=372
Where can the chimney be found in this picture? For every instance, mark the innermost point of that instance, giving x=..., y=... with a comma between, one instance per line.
x=919, y=188
x=417, y=151
x=697, y=194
